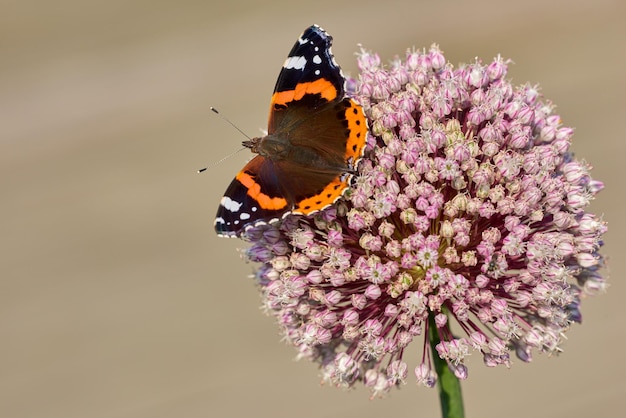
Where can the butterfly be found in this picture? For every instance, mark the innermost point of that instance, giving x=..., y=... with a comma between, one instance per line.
x=316, y=137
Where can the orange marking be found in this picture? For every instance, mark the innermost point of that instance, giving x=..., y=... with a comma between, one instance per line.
x=322, y=87
x=325, y=198
x=254, y=191
x=357, y=123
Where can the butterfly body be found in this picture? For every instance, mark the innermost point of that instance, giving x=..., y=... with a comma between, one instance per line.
x=316, y=136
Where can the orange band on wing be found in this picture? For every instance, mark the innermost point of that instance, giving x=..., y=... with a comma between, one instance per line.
x=325, y=198
x=254, y=191
x=321, y=86
x=357, y=125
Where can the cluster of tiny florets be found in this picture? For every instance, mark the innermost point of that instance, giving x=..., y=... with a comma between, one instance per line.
x=468, y=208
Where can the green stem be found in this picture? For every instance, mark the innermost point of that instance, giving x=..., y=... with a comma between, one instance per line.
x=449, y=386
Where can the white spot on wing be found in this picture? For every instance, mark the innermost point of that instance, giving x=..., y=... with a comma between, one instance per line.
x=317, y=59
x=230, y=205
x=244, y=216
x=296, y=63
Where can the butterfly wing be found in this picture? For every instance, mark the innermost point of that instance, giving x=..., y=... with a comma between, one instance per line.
x=324, y=131
x=325, y=147
x=253, y=197
x=310, y=70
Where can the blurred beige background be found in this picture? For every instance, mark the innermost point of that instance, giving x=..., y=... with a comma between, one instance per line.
x=116, y=297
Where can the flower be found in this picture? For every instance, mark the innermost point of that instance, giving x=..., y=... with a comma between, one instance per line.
x=469, y=209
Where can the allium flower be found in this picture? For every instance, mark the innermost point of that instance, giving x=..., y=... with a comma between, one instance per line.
x=468, y=208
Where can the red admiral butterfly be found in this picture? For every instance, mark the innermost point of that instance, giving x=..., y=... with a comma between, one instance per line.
x=316, y=136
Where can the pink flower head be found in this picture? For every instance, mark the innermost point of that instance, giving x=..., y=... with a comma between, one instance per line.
x=468, y=208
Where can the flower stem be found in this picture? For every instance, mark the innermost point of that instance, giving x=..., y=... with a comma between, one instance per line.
x=449, y=386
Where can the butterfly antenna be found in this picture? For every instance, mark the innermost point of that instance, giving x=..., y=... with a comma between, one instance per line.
x=229, y=155
x=229, y=122
x=217, y=162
